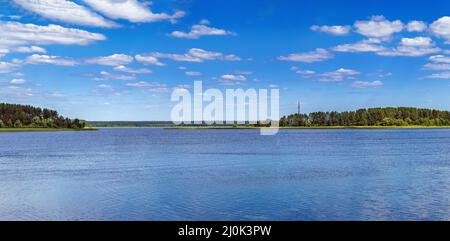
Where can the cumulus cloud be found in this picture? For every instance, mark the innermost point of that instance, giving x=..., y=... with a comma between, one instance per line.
x=333, y=76
x=131, y=10
x=362, y=46
x=104, y=75
x=197, y=55
x=378, y=27
x=6, y=67
x=200, y=30
x=334, y=30
x=305, y=72
x=440, y=59
x=19, y=34
x=148, y=59
x=416, y=26
x=132, y=71
x=233, y=77
x=441, y=28
x=417, y=41
x=17, y=81
x=112, y=60
x=338, y=75
x=412, y=47
x=30, y=49
x=367, y=84
x=309, y=57
x=47, y=59
x=65, y=11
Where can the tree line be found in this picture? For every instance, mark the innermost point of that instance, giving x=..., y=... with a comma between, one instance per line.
x=390, y=116
x=27, y=116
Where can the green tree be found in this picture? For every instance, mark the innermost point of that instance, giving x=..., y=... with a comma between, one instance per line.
x=17, y=124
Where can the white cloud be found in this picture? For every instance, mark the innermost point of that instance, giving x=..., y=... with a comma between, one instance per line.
x=338, y=75
x=229, y=82
x=378, y=27
x=17, y=81
x=416, y=26
x=113, y=60
x=104, y=86
x=333, y=76
x=305, y=72
x=131, y=10
x=209, y=55
x=148, y=59
x=433, y=66
x=440, y=59
x=417, y=41
x=367, y=84
x=3, y=52
x=6, y=67
x=193, y=73
x=441, y=28
x=443, y=75
x=409, y=51
x=46, y=59
x=197, y=55
x=132, y=71
x=309, y=57
x=412, y=47
x=142, y=84
x=30, y=49
x=200, y=30
x=362, y=46
x=334, y=30
x=65, y=11
x=19, y=34
x=18, y=92
x=233, y=77
x=104, y=75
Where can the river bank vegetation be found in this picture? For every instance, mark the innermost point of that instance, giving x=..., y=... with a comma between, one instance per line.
x=14, y=117
x=372, y=117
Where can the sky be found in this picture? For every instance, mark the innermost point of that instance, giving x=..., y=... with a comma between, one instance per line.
x=121, y=59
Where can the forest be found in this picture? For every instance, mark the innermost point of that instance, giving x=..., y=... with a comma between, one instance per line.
x=26, y=116
x=390, y=116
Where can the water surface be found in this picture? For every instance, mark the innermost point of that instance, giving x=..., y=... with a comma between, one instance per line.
x=155, y=174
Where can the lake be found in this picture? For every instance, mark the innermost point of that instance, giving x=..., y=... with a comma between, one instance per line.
x=156, y=174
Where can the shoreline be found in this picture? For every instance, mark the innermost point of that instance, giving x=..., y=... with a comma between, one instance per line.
x=43, y=129
x=308, y=127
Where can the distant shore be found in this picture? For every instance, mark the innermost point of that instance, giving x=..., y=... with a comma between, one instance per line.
x=304, y=127
x=43, y=129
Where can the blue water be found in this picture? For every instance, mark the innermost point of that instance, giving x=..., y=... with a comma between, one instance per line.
x=155, y=174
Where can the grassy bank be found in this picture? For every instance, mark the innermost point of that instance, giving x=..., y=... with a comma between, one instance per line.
x=42, y=129
x=305, y=127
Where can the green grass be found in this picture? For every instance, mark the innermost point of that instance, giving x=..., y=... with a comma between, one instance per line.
x=42, y=129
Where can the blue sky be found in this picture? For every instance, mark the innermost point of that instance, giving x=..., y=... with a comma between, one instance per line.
x=120, y=60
